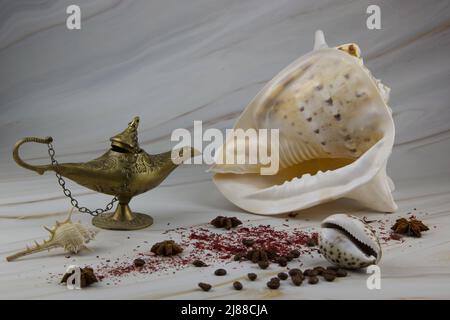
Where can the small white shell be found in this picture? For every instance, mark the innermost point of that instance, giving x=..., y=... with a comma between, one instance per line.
x=72, y=236
x=349, y=242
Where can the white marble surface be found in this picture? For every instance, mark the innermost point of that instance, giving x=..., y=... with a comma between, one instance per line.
x=173, y=62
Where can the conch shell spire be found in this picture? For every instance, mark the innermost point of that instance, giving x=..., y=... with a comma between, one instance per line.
x=319, y=40
x=71, y=236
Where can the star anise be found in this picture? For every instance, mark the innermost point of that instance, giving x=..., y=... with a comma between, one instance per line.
x=226, y=222
x=166, y=248
x=412, y=227
x=87, y=277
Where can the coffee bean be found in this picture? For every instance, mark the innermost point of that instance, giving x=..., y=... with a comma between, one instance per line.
x=313, y=280
x=310, y=273
x=341, y=273
x=295, y=253
x=289, y=257
x=334, y=268
x=329, y=271
x=252, y=276
x=263, y=264
x=295, y=271
x=237, y=285
x=248, y=242
x=138, y=262
x=273, y=285
x=220, y=272
x=238, y=257
x=283, y=275
x=319, y=270
x=199, y=263
x=297, y=279
x=275, y=279
x=282, y=261
x=329, y=276
x=313, y=273
x=204, y=286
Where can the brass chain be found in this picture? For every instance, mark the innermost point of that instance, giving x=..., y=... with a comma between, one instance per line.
x=68, y=193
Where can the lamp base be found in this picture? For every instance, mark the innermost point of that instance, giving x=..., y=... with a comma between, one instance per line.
x=122, y=219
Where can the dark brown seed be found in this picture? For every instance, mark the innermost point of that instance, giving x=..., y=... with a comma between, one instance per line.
x=273, y=285
x=341, y=273
x=297, y=279
x=319, y=270
x=295, y=253
x=295, y=271
x=313, y=280
x=329, y=101
x=220, y=272
x=329, y=276
x=252, y=276
x=237, y=285
x=282, y=275
x=238, y=257
x=138, y=262
x=306, y=272
x=204, y=286
x=263, y=264
x=289, y=257
x=313, y=273
x=199, y=263
x=282, y=261
x=248, y=242
x=334, y=268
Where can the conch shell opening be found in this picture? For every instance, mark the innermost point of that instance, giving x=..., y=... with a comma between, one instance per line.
x=336, y=133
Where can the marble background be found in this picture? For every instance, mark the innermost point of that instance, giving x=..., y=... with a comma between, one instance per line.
x=173, y=62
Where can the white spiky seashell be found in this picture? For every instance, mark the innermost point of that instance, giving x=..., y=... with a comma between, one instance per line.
x=336, y=133
x=349, y=242
x=71, y=236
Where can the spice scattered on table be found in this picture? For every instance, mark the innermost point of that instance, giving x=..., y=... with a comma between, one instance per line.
x=220, y=272
x=411, y=227
x=199, y=263
x=282, y=261
x=139, y=262
x=282, y=275
x=263, y=264
x=313, y=280
x=297, y=279
x=237, y=285
x=226, y=222
x=252, y=276
x=319, y=270
x=87, y=277
x=329, y=276
x=295, y=271
x=204, y=286
x=273, y=283
x=166, y=248
x=341, y=273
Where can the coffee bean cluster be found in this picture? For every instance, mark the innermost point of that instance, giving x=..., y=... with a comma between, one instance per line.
x=298, y=276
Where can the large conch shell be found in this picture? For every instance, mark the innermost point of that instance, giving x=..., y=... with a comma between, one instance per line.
x=336, y=133
x=72, y=236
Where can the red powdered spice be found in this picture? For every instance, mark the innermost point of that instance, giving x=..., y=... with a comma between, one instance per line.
x=209, y=246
